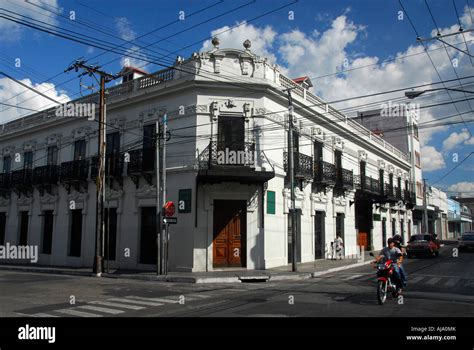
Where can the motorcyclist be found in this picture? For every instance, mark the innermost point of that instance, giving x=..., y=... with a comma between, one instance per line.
x=395, y=254
x=398, y=243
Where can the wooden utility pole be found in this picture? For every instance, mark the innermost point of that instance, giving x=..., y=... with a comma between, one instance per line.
x=100, y=181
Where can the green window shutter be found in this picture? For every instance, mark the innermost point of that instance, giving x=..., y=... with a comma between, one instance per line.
x=270, y=202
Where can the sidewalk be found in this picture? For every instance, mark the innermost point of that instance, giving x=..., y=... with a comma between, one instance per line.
x=305, y=271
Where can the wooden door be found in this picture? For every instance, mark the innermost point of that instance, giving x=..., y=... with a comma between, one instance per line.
x=148, y=246
x=229, y=248
x=362, y=240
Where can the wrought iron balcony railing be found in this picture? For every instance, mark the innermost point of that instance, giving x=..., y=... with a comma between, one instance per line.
x=368, y=185
x=21, y=178
x=344, y=178
x=303, y=165
x=46, y=175
x=218, y=154
x=74, y=171
x=324, y=173
x=141, y=161
x=398, y=193
x=239, y=162
x=113, y=166
x=5, y=181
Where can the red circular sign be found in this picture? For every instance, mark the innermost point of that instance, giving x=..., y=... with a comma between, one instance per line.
x=169, y=208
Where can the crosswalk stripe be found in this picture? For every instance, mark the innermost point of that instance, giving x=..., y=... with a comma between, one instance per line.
x=101, y=309
x=124, y=306
x=415, y=279
x=352, y=277
x=451, y=282
x=195, y=295
x=139, y=302
x=159, y=300
x=74, y=312
x=434, y=280
x=42, y=314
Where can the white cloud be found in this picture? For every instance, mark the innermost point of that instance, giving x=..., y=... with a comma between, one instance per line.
x=262, y=39
x=26, y=98
x=11, y=31
x=462, y=187
x=126, y=32
x=124, y=28
x=431, y=159
x=456, y=139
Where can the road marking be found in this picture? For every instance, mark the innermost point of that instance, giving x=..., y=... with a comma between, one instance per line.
x=352, y=277
x=101, y=309
x=195, y=295
x=124, y=306
x=451, y=282
x=73, y=312
x=41, y=314
x=415, y=280
x=139, y=302
x=159, y=300
x=433, y=281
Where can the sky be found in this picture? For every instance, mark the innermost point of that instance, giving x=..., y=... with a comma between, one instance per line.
x=347, y=48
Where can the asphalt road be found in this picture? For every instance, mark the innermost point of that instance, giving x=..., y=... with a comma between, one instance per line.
x=442, y=286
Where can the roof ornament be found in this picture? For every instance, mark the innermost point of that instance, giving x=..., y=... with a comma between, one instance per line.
x=215, y=42
x=247, y=44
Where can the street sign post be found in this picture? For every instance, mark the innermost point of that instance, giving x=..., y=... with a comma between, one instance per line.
x=170, y=220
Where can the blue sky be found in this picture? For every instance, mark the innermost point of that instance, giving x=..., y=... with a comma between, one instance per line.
x=323, y=36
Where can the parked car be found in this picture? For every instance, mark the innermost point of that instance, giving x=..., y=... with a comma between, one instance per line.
x=466, y=241
x=424, y=244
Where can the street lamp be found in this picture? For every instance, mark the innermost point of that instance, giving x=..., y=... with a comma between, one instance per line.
x=413, y=93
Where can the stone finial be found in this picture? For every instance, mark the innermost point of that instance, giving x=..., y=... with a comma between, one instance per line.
x=247, y=44
x=215, y=42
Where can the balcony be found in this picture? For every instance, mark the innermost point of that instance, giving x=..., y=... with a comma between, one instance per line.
x=389, y=194
x=141, y=163
x=74, y=173
x=113, y=167
x=398, y=193
x=240, y=163
x=303, y=165
x=21, y=181
x=409, y=198
x=324, y=174
x=344, y=179
x=4, y=184
x=46, y=175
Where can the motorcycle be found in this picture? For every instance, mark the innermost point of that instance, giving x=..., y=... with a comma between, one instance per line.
x=386, y=281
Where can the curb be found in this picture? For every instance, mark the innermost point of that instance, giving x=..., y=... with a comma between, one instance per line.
x=195, y=280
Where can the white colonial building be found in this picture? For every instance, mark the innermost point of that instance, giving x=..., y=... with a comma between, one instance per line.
x=226, y=167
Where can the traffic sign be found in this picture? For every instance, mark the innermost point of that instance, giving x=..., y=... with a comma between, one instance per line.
x=169, y=208
x=170, y=221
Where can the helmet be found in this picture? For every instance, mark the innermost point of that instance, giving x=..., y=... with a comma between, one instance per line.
x=397, y=237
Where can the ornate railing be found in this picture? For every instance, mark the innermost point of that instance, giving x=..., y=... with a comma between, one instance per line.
x=240, y=154
x=389, y=191
x=324, y=173
x=46, y=174
x=75, y=170
x=141, y=160
x=21, y=177
x=113, y=166
x=398, y=193
x=303, y=165
x=5, y=180
x=368, y=185
x=344, y=178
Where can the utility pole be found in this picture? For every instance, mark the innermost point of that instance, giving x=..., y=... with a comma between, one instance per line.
x=100, y=182
x=164, y=231
x=425, y=208
x=158, y=190
x=291, y=170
